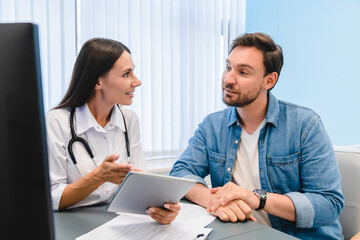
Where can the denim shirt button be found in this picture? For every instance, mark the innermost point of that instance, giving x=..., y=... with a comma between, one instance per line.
x=236, y=141
x=229, y=169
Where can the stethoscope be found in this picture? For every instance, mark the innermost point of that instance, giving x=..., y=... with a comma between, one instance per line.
x=76, y=138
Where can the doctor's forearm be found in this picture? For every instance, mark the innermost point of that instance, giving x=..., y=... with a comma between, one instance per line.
x=77, y=191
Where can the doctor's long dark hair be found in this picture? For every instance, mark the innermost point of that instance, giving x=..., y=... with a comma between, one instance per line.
x=96, y=57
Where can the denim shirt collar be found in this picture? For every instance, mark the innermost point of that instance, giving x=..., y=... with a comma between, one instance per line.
x=273, y=110
x=233, y=117
x=272, y=115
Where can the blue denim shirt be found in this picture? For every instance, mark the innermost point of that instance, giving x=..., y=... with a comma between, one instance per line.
x=296, y=158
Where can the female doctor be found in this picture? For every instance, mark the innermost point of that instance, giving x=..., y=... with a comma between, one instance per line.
x=93, y=142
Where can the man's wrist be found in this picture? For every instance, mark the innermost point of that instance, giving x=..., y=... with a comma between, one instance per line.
x=262, y=195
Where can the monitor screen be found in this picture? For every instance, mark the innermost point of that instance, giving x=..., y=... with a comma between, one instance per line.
x=25, y=203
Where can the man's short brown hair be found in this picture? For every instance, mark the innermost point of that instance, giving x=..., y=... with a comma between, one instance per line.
x=273, y=56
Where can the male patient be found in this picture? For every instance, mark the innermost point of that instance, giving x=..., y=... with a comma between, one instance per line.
x=269, y=161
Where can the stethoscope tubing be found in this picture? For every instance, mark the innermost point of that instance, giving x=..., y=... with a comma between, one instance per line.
x=76, y=138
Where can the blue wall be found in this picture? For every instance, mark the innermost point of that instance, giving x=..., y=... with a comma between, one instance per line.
x=321, y=44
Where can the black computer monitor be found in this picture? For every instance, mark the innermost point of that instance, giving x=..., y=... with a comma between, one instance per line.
x=25, y=203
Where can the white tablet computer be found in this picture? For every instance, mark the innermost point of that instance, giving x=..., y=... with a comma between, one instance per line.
x=140, y=190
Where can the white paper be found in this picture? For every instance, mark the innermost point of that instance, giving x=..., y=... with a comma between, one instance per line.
x=194, y=215
x=188, y=225
x=114, y=229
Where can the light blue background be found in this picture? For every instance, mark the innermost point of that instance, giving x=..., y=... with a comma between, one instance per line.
x=321, y=44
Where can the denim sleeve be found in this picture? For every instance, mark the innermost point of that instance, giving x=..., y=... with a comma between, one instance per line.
x=303, y=208
x=320, y=201
x=193, y=163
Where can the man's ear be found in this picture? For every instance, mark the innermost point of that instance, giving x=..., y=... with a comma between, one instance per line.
x=99, y=83
x=271, y=80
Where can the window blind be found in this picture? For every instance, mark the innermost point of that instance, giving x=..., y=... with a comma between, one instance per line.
x=178, y=47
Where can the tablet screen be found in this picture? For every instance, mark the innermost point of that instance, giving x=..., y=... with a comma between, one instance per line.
x=140, y=190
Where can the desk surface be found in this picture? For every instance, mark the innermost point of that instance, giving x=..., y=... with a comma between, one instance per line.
x=72, y=223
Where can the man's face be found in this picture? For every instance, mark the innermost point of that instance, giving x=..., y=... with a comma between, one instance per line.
x=243, y=78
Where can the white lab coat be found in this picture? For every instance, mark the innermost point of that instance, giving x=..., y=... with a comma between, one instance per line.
x=102, y=141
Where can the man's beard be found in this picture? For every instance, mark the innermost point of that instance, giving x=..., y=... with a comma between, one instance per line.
x=243, y=99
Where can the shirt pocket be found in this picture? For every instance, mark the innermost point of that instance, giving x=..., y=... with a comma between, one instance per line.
x=284, y=172
x=217, y=157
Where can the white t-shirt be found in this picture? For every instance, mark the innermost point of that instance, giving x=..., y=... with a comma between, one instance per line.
x=102, y=141
x=246, y=168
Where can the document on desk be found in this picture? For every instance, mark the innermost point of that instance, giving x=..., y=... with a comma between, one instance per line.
x=194, y=215
x=189, y=224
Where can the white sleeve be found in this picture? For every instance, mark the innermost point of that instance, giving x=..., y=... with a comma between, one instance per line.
x=56, y=140
x=136, y=152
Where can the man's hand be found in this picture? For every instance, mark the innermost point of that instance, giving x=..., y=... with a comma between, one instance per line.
x=230, y=192
x=234, y=211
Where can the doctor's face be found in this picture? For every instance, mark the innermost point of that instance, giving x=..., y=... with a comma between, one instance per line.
x=118, y=85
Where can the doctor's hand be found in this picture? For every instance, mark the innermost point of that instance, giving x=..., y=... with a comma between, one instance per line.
x=164, y=216
x=110, y=171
